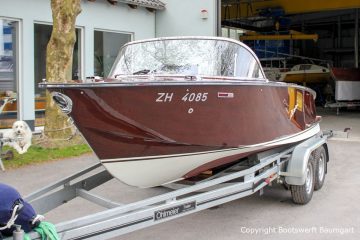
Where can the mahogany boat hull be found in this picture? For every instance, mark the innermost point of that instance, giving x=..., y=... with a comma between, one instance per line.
x=345, y=74
x=148, y=134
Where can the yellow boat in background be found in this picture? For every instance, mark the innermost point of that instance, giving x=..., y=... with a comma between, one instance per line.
x=11, y=106
x=306, y=73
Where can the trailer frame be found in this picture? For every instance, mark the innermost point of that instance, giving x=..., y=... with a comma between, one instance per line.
x=286, y=165
x=342, y=104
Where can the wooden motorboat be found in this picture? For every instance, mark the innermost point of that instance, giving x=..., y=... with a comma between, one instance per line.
x=9, y=110
x=172, y=108
x=10, y=106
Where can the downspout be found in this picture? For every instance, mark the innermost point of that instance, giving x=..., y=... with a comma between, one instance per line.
x=356, y=38
x=155, y=29
x=218, y=18
x=338, y=58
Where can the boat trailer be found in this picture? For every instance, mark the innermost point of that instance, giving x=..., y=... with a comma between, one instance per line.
x=6, y=155
x=342, y=104
x=288, y=166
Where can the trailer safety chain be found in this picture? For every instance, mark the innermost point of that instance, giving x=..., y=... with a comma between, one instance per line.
x=45, y=138
x=59, y=129
x=74, y=131
x=71, y=125
x=12, y=219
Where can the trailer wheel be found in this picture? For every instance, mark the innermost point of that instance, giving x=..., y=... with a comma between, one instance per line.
x=320, y=167
x=303, y=194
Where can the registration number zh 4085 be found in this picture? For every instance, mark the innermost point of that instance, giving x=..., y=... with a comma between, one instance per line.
x=188, y=97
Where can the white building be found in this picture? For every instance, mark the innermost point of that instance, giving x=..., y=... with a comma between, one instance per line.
x=102, y=28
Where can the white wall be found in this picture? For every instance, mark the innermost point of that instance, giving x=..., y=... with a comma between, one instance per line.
x=183, y=18
x=95, y=15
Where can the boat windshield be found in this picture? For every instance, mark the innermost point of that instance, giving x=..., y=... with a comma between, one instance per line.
x=187, y=57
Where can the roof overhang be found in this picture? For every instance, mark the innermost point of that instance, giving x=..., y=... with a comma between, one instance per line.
x=148, y=4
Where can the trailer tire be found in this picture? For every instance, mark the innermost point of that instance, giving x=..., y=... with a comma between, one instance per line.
x=302, y=194
x=320, y=167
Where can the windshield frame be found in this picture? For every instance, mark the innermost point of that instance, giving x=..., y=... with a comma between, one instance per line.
x=244, y=46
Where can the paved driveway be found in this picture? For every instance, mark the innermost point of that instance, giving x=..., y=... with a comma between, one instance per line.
x=333, y=212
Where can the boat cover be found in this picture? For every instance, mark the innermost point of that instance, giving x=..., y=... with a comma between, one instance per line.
x=9, y=198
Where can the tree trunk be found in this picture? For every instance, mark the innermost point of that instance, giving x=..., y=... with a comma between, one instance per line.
x=59, y=57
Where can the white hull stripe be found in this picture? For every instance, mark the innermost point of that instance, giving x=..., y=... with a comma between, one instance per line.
x=162, y=170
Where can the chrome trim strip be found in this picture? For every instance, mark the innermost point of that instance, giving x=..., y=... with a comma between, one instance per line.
x=66, y=105
x=175, y=83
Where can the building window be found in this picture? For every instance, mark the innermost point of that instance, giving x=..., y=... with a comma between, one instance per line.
x=41, y=38
x=106, y=49
x=9, y=102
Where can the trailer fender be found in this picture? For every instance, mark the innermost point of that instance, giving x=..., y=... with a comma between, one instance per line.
x=295, y=171
x=327, y=155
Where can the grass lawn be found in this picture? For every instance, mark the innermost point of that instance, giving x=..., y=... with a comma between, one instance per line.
x=38, y=154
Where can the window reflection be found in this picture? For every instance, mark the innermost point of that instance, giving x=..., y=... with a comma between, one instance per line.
x=8, y=73
x=42, y=36
x=106, y=48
